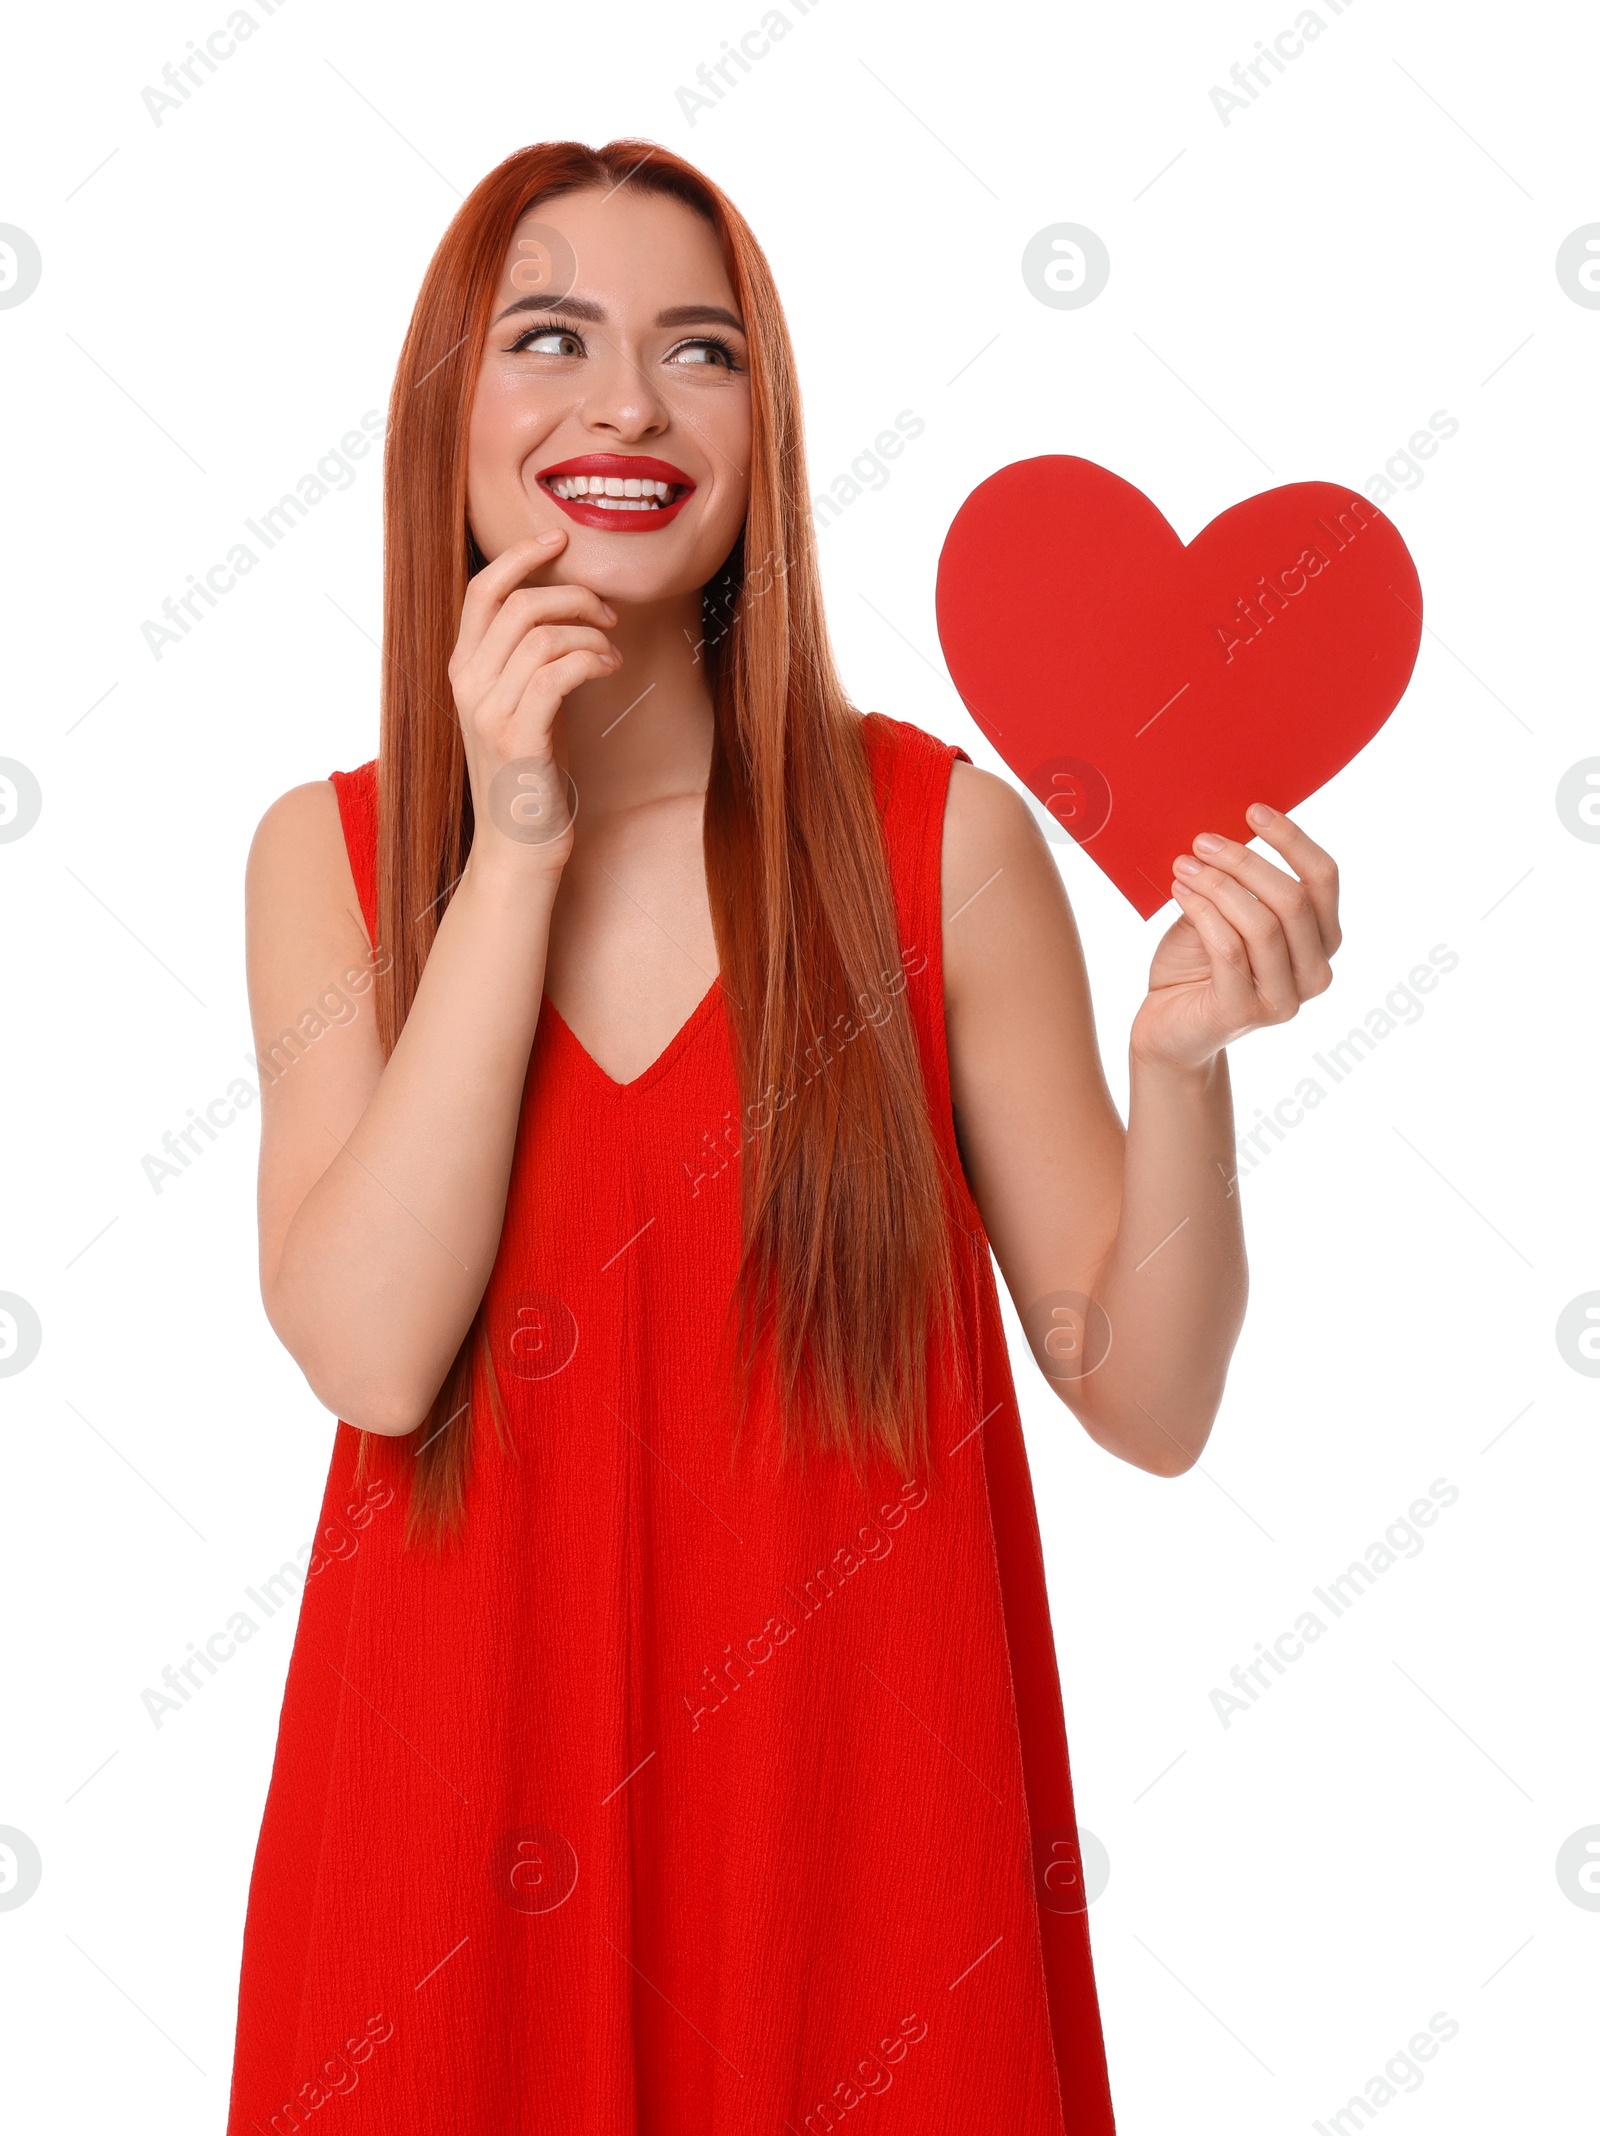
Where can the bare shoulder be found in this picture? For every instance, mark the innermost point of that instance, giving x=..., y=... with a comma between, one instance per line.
x=298, y=870
x=1005, y=907
x=1017, y=1009
x=300, y=840
x=308, y=969
x=985, y=816
x=300, y=830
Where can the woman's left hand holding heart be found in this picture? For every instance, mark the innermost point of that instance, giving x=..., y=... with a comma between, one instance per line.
x=1252, y=945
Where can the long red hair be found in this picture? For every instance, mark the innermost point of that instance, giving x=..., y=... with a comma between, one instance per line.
x=847, y=1261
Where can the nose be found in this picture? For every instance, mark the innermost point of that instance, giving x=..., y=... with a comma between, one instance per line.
x=620, y=400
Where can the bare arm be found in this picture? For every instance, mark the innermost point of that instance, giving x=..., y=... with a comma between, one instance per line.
x=383, y=1185
x=1104, y=1234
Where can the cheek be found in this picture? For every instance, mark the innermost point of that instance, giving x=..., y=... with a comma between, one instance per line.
x=729, y=508
x=486, y=451
x=505, y=433
x=507, y=423
x=744, y=442
x=487, y=421
x=730, y=442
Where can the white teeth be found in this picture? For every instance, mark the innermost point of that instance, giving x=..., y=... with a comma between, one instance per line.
x=615, y=492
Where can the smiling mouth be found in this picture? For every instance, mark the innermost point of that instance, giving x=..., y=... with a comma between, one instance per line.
x=624, y=493
x=617, y=493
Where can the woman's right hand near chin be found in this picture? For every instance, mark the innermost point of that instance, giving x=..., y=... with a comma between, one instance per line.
x=384, y=1181
x=519, y=651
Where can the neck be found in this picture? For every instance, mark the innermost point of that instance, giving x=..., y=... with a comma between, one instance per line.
x=646, y=731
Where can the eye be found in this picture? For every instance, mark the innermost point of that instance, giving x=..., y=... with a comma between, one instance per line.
x=705, y=349
x=548, y=341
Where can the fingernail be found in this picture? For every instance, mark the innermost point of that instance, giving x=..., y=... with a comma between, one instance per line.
x=610, y=612
x=1259, y=813
x=1185, y=866
x=546, y=539
x=1209, y=842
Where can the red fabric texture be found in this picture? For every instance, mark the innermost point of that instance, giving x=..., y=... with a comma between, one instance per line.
x=687, y=1794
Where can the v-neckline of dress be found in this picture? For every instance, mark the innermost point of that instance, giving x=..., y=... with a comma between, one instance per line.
x=669, y=1053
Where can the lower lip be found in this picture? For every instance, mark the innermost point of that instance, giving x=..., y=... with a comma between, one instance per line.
x=596, y=515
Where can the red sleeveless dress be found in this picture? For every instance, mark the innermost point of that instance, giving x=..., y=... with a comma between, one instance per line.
x=686, y=1795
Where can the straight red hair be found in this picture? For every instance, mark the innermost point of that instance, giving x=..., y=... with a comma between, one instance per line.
x=847, y=1269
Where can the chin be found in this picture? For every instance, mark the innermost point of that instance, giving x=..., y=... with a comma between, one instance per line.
x=627, y=580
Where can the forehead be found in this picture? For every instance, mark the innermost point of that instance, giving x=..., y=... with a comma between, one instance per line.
x=617, y=244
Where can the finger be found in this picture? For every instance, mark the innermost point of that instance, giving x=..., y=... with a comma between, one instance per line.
x=556, y=679
x=525, y=608
x=1314, y=865
x=1231, y=978
x=1266, y=947
x=501, y=584
x=1287, y=899
x=489, y=587
x=541, y=647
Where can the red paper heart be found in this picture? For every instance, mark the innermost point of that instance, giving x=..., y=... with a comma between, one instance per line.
x=1144, y=691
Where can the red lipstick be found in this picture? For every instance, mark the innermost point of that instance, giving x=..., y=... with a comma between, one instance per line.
x=659, y=491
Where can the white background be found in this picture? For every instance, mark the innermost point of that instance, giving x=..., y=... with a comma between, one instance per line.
x=1292, y=1896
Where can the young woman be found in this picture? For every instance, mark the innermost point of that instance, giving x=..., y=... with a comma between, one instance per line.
x=673, y=1739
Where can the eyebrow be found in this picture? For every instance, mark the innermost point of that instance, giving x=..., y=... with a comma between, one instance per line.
x=586, y=308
